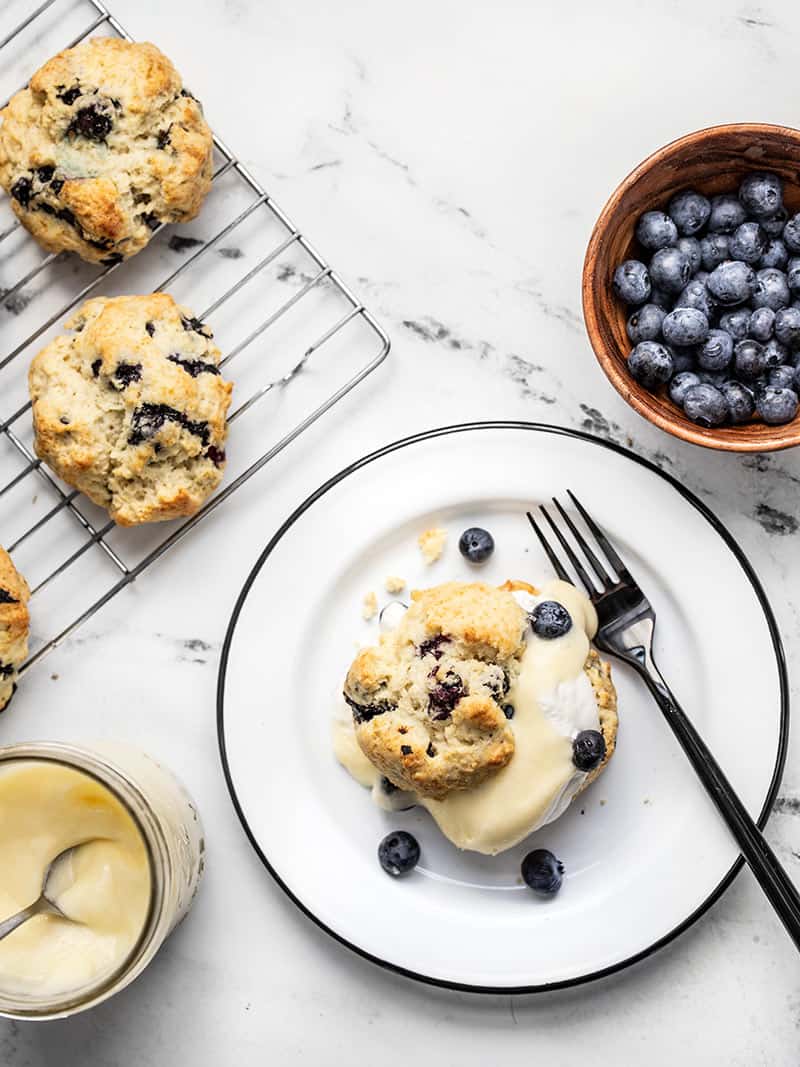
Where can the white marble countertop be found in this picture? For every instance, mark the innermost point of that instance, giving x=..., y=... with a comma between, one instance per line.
x=450, y=159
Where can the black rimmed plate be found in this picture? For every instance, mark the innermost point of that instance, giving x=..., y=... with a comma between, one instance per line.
x=644, y=850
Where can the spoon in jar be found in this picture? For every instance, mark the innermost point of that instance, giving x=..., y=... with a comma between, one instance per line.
x=45, y=904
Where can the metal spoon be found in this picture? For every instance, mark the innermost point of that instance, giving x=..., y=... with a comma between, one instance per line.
x=44, y=904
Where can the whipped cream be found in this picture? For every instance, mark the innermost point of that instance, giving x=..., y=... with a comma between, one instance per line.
x=553, y=700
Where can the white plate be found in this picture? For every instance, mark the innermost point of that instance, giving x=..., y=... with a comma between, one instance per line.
x=644, y=849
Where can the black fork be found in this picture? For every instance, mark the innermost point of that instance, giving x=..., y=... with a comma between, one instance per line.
x=626, y=621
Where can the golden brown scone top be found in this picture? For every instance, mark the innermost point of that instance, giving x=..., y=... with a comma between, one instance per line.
x=14, y=625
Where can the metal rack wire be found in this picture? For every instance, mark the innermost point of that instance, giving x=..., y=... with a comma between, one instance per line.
x=321, y=316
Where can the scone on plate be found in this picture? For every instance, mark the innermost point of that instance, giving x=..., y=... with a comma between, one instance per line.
x=130, y=408
x=14, y=626
x=101, y=147
x=487, y=706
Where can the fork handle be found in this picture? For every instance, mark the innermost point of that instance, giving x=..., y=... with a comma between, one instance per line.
x=770, y=874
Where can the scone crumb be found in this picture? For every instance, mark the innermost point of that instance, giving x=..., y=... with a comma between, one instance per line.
x=431, y=543
x=394, y=584
x=369, y=608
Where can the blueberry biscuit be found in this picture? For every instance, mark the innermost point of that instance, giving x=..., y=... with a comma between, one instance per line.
x=131, y=407
x=427, y=701
x=14, y=625
x=103, y=146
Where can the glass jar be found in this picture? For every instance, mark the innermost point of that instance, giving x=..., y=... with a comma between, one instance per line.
x=172, y=832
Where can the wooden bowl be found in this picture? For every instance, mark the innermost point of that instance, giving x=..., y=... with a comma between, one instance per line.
x=711, y=161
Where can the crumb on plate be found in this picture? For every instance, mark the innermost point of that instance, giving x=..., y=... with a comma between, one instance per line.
x=394, y=584
x=370, y=606
x=431, y=543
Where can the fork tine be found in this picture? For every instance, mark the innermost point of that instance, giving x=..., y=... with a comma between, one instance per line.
x=558, y=567
x=576, y=563
x=612, y=555
x=584, y=546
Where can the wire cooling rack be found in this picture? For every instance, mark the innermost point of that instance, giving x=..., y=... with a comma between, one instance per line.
x=243, y=265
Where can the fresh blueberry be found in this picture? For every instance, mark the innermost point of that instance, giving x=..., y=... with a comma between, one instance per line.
x=661, y=298
x=741, y=404
x=772, y=289
x=680, y=386
x=773, y=226
x=476, y=545
x=793, y=274
x=508, y=711
x=670, y=269
x=797, y=380
x=726, y=214
x=776, y=406
x=645, y=323
x=782, y=377
x=775, y=353
x=749, y=360
x=748, y=242
x=696, y=295
x=761, y=194
x=542, y=872
x=776, y=254
x=761, y=324
x=656, y=230
x=689, y=211
x=632, y=282
x=705, y=405
x=398, y=853
x=651, y=364
x=732, y=282
x=717, y=378
x=685, y=326
x=791, y=233
x=716, y=352
x=690, y=247
x=787, y=327
x=588, y=749
x=714, y=249
x=736, y=323
x=683, y=359
x=550, y=619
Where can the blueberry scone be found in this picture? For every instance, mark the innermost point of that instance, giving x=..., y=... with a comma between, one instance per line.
x=101, y=147
x=487, y=706
x=130, y=408
x=14, y=625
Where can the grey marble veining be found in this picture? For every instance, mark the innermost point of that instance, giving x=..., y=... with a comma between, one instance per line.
x=450, y=160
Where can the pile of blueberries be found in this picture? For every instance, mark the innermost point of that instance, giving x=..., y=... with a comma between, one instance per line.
x=716, y=307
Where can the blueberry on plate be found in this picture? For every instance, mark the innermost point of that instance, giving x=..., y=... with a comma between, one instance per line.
x=632, y=282
x=690, y=247
x=695, y=294
x=588, y=749
x=773, y=226
x=716, y=352
x=761, y=193
x=772, y=289
x=681, y=384
x=656, y=230
x=776, y=406
x=741, y=404
x=775, y=353
x=776, y=254
x=762, y=322
x=651, y=364
x=685, y=326
x=550, y=619
x=542, y=872
x=736, y=323
x=732, y=282
x=644, y=323
x=782, y=377
x=476, y=545
x=714, y=249
x=787, y=326
x=670, y=270
x=706, y=405
x=791, y=233
x=398, y=853
x=748, y=242
x=689, y=210
x=749, y=360
x=726, y=214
